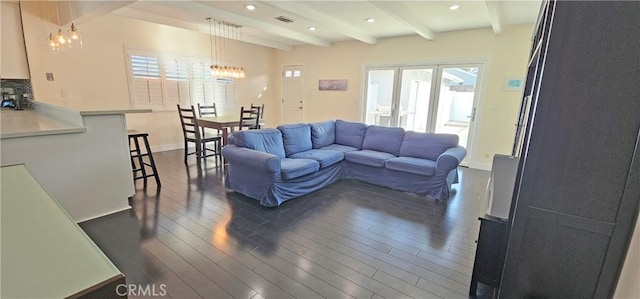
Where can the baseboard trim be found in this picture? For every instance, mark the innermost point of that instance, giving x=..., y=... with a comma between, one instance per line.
x=168, y=147
x=105, y=214
x=480, y=166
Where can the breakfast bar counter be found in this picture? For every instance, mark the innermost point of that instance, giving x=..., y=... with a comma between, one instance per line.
x=22, y=123
x=44, y=253
x=81, y=156
x=48, y=119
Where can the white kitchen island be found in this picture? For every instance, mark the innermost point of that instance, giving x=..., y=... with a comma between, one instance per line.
x=80, y=156
x=44, y=253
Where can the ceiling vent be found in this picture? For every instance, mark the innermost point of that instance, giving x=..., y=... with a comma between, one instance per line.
x=284, y=19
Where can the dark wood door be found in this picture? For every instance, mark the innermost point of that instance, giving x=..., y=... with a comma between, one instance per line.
x=577, y=192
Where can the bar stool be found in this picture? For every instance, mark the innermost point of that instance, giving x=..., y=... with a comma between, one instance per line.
x=137, y=154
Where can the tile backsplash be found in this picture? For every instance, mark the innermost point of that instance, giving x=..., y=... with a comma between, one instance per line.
x=22, y=90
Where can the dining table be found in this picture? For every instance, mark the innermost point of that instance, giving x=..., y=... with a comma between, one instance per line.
x=222, y=123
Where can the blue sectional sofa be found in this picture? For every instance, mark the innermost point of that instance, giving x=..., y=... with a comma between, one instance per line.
x=275, y=165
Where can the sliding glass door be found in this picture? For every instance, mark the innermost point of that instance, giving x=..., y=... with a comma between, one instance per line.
x=456, y=97
x=406, y=106
x=380, y=94
x=438, y=98
x=415, y=98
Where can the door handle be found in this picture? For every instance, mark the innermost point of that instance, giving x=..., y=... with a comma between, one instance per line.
x=300, y=108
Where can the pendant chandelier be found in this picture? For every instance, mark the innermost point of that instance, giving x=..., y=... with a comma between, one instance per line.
x=61, y=41
x=224, y=32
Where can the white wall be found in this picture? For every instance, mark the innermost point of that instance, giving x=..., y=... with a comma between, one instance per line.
x=504, y=55
x=13, y=63
x=96, y=77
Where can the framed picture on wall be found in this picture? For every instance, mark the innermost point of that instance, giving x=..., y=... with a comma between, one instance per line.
x=332, y=84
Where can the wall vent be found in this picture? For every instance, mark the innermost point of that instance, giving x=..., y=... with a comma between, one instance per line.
x=284, y=19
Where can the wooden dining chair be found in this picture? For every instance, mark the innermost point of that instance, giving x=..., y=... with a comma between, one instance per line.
x=249, y=118
x=192, y=134
x=261, y=113
x=208, y=111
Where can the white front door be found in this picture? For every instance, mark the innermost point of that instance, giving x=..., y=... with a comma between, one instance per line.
x=292, y=94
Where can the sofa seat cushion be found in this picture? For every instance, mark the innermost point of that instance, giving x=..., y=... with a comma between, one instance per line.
x=368, y=157
x=324, y=157
x=323, y=133
x=295, y=168
x=296, y=138
x=350, y=133
x=412, y=165
x=383, y=139
x=339, y=147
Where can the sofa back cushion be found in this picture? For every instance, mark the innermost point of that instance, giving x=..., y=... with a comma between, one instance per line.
x=264, y=140
x=323, y=133
x=296, y=138
x=426, y=145
x=383, y=139
x=350, y=133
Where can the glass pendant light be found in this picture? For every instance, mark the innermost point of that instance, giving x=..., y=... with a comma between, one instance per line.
x=73, y=32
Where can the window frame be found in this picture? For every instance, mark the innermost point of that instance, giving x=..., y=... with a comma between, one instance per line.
x=222, y=92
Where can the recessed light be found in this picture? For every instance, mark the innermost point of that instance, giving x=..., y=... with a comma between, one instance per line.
x=454, y=7
x=250, y=7
x=312, y=28
x=370, y=20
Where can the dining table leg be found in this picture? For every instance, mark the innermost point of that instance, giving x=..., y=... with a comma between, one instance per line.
x=225, y=135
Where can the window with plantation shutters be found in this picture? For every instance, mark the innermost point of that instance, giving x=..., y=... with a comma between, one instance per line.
x=224, y=92
x=201, y=83
x=145, y=66
x=161, y=80
x=145, y=80
x=205, y=89
x=177, y=89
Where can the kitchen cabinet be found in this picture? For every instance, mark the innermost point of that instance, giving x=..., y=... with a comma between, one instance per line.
x=489, y=259
x=487, y=267
x=14, y=56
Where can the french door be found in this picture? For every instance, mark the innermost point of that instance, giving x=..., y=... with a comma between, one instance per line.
x=432, y=98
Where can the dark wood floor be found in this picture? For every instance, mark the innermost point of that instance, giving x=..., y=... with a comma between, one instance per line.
x=350, y=239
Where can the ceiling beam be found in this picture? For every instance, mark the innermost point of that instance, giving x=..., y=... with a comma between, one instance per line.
x=322, y=19
x=169, y=21
x=84, y=11
x=493, y=9
x=391, y=9
x=204, y=9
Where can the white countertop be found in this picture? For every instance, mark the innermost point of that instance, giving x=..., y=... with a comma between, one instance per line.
x=112, y=111
x=22, y=123
x=47, y=119
x=99, y=109
x=43, y=249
